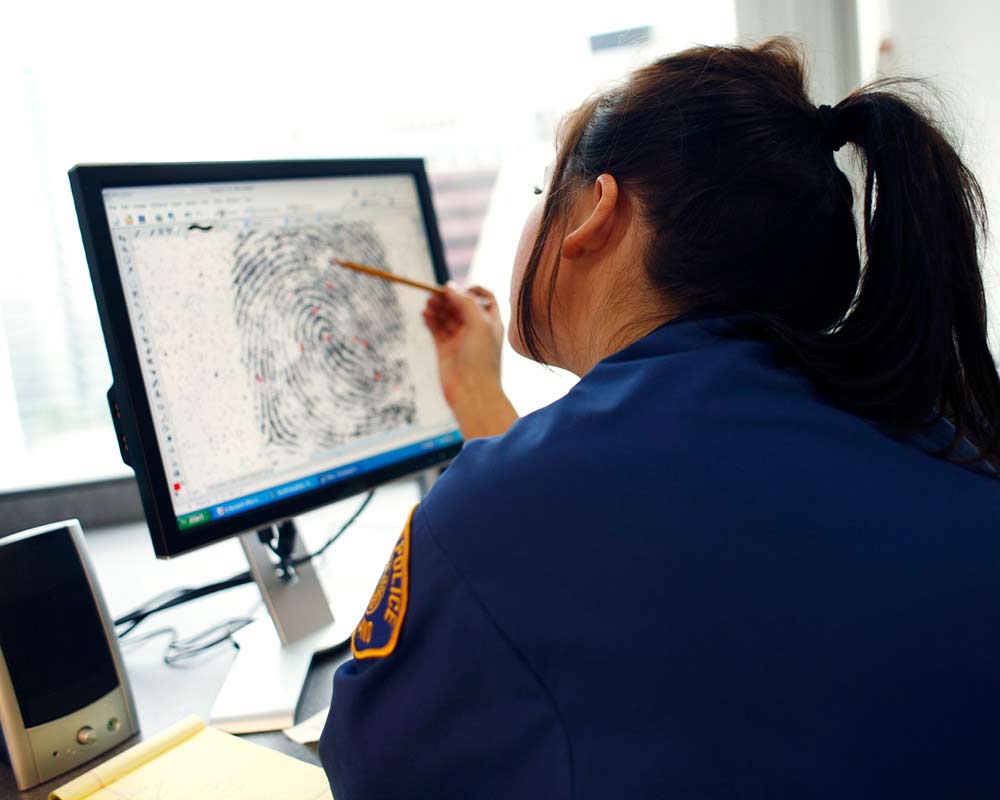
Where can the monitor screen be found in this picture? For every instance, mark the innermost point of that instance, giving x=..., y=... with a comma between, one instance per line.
x=270, y=371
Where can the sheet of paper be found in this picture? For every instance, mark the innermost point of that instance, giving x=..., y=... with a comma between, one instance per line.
x=308, y=731
x=118, y=767
x=216, y=765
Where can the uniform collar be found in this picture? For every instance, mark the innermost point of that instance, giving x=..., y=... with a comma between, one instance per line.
x=691, y=331
x=699, y=329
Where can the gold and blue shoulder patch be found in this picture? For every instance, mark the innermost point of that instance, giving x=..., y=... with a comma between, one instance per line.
x=378, y=631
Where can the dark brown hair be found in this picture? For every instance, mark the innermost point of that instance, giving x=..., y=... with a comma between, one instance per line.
x=732, y=167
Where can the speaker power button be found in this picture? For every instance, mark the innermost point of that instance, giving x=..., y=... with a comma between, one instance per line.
x=86, y=735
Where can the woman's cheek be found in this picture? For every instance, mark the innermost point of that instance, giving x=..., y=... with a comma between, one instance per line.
x=514, y=335
x=524, y=247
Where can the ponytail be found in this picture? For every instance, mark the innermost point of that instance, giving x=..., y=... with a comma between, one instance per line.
x=913, y=346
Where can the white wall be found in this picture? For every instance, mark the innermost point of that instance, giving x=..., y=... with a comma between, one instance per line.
x=828, y=28
x=954, y=44
x=11, y=439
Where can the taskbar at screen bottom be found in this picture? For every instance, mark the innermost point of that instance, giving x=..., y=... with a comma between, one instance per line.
x=249, y=502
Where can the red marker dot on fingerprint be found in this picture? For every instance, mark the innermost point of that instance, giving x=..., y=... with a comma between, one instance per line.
x=378, y=376
x=177, y=487
x=302, y=348
x=365, y=343
x=326, y=337
x=315, y=310
x=260, y=379
x=329, y=285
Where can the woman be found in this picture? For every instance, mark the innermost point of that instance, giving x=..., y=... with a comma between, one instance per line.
x=754, y=552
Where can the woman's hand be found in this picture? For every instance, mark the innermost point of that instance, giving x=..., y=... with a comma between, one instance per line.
x=468, y=336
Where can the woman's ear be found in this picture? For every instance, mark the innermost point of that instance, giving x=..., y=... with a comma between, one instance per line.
x=595, y=230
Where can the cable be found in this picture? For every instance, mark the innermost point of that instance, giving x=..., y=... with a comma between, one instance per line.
x=178, y=649
x=182, y=649
x=179, y=596
x=297, y=562
x=163, y=596
x=288, y=534
x=134, y=640
x=182, y=596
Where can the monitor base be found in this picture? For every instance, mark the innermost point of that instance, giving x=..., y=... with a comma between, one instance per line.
x=262, y=689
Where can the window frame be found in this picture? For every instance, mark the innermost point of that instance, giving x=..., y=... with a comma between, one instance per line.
x=97, y=504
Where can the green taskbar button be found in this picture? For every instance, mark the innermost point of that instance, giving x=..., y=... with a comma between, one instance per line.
x=192, y=520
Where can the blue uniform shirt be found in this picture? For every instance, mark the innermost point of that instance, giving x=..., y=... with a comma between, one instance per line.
x=689, y=578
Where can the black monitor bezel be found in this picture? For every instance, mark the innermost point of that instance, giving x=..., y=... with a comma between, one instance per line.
x=130, y=403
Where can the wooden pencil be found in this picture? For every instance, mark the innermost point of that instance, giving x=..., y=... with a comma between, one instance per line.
x=380, y=273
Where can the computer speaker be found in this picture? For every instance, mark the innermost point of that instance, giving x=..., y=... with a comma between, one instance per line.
x=64, y=694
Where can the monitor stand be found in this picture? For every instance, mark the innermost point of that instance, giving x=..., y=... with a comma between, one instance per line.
x=262, y=689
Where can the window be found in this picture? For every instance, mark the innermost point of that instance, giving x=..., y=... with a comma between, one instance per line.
x=478, y=97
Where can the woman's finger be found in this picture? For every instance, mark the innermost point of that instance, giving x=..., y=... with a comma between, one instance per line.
x=437, y=301
x=464, y=303
x=487, y=301
x=439, y=307
x=482, y=292
x=442, y=325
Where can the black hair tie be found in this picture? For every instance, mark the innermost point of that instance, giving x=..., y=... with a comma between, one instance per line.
x=831, y=133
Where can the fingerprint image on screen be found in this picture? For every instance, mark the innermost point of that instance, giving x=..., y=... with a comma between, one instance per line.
x=322, y=346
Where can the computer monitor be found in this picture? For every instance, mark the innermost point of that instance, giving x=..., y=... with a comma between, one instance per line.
x=253, y=378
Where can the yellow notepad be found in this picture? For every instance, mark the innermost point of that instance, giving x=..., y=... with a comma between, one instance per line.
x=188, y=761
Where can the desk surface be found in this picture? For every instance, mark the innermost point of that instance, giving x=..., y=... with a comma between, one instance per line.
x=130, y=574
